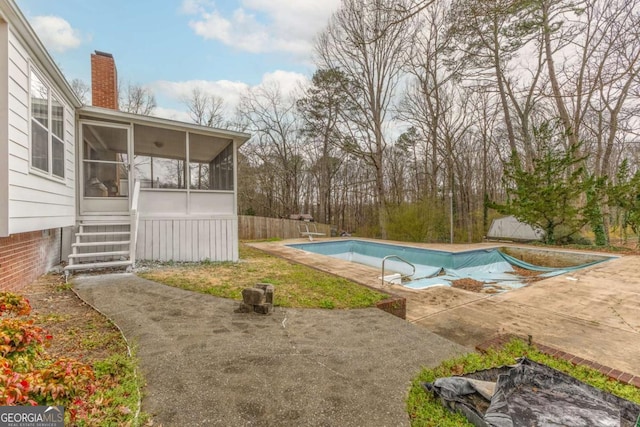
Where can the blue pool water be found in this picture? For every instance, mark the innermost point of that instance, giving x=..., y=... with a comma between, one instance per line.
x=436, y=268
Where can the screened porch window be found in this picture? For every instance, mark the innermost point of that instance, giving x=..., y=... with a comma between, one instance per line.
x=162, y=161
x=160, y=172
x=160, y=158
x=210, y=168
x=106, y=165
x=222, y=170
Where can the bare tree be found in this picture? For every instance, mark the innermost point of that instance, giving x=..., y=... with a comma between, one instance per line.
x=205, y=109
x=137, y=99
x=81, y=89
x=275, y=149
x=593, y=89
x=369, y=47
x=479, y=78
x=489, y=35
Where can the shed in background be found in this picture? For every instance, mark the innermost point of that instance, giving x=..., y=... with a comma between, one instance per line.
x=509, y=228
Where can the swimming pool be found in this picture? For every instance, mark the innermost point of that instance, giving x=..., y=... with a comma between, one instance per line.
x=492, y=267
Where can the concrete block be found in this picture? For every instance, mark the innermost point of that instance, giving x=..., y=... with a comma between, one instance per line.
x=244, y=308
x=253, y=296
x=268, y=291
x=263, y=308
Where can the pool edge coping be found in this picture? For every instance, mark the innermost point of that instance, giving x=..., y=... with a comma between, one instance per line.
x=612, y=373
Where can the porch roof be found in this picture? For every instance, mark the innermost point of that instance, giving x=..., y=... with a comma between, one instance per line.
x=89, y=112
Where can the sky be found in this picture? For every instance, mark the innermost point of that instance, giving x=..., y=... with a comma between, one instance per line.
x=172, y=46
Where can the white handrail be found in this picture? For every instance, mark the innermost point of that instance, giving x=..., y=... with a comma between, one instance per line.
x=401, y=259
x=133, y=241
x=136, y=195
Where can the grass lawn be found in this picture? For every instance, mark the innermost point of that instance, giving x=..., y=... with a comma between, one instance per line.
x=424, y=410
x=295, y=285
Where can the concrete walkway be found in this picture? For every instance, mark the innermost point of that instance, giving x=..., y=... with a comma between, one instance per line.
x=592, y=313
x=206, y=365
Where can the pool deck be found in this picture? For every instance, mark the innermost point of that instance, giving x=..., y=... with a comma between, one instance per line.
x=592, y=313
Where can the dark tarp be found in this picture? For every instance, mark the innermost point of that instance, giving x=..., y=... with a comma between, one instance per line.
x=531, y=394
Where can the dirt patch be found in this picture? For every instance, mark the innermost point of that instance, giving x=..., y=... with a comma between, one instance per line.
x=78, y=330
x=468, y=285
x=551, y=258
x=529, y=276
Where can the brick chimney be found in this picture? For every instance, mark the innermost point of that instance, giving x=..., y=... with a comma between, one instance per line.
x=104, y=81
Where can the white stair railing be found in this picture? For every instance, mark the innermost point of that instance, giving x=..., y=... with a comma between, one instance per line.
x=133, y=239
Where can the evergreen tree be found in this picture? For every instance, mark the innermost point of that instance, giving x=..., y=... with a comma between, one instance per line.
x=625, y=195
x=552, y=194
x=323, y=110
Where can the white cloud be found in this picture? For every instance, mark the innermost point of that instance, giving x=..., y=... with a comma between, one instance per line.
x=288, y=81
x=56, y=33
x=229, y=91
x=192, y=7
x=172, y=114
x=263, y=25
x=179, y=91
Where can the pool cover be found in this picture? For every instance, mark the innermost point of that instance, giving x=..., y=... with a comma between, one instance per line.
x=531, y=394
x=487, y=266
x=438, y=268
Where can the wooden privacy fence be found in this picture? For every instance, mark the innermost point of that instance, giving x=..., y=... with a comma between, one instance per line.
x=259, y=228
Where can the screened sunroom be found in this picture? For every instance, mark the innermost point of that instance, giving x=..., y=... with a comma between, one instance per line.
x=186, y=175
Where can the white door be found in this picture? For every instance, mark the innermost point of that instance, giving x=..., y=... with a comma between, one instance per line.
x=105, y=178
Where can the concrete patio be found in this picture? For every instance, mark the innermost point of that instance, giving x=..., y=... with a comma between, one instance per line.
x=592, y=313
x=206, y=365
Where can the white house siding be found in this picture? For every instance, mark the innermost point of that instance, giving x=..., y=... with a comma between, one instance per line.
x=181, y=203
x=207, y=203
x=35, y=202
x=163, y=202
x=4, y=129
x=188, y=239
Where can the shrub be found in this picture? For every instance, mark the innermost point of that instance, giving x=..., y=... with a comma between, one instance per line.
x=19, y=337
x=15, y=386
x=14, y=304
x=27, y=376
x=418, y=222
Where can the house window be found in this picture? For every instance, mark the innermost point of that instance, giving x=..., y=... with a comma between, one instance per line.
x=47, y=129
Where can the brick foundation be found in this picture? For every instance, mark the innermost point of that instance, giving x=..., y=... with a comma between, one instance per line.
x=394, y=305
x=26, y=256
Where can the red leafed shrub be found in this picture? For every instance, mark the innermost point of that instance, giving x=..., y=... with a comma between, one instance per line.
x=63, y=382
x=14, y=387
x=27, y=376
x=64, y=378
x=19, y=336
x=14, y=304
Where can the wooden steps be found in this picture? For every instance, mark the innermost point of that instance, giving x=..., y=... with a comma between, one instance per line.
x=109, y=243
x=104, y=233
x=96, y=265
x=103, y=242
x=97, y=254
